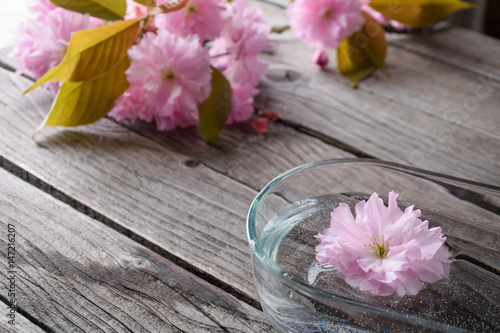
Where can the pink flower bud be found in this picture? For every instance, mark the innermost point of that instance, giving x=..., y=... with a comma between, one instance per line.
x=320, y=58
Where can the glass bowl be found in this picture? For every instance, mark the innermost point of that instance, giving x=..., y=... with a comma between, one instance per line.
x=299, y=295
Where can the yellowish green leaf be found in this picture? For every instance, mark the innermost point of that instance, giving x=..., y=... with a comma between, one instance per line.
x=82, y=103
x=362, y=53
x=147, y=3
x=110, y=10
x=214, y=111
x=93, y=52
x=419, y=13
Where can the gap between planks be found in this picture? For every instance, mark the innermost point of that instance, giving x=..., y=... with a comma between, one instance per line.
x=86, y=210
x=74, y=287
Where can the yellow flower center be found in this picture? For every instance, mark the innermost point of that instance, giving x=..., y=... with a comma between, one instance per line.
x=328, y=14
x=191, y=8
x=169, y=76
x=380, y=247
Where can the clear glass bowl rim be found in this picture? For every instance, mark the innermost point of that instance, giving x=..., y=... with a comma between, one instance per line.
x=314, y=292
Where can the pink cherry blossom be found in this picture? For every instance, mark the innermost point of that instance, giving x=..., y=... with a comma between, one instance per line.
x=132, y=104
x=41, y=7
x=242, y=103
x=174, y=75
x=324, y=23
x=383, y=250
x=200, y=17
x=43, y=40
x=135, y=10
x=244, y=36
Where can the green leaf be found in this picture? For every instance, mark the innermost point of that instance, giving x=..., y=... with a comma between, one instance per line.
x=418, y=13
x=147, y=3
x=82, y=103
x=215, y=110
x=362, y=53
x=93, y=52
x=110, y=10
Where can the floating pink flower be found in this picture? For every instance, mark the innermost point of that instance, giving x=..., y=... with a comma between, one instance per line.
x=324, y=23
x=174, y=73
x=383, y=250
x=200, y=17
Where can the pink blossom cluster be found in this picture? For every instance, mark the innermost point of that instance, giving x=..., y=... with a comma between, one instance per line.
x=383, y=250
x=171, y=66
x=43, y=40
x=244, y=35
x=323, y=24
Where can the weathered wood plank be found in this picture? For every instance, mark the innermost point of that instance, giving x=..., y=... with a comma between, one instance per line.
x=453, y=45
x=456, y=46
x=424, y=113
x=384, y=128
x=21, y=323
x=75, y=274
x=281, y=149
x=251, y=158
x=193, y=212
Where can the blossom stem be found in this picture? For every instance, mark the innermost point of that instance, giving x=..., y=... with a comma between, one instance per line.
x=280, y=29
x=219, y=55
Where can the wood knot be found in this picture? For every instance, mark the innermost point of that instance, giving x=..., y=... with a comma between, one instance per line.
x=192, y=163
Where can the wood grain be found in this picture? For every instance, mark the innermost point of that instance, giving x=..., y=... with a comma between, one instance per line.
x=385, y=129
x=191, y=211
x=21, y=324
x=188, y=209
x=244, y=155
x=425, y=114
x=75, y=274
x=449, y=44
x=459, y=47
x=190, y=199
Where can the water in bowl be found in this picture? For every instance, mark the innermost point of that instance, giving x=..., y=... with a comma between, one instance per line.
x=467, y=300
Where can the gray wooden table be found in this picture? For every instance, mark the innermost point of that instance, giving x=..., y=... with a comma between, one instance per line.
x=119, y=228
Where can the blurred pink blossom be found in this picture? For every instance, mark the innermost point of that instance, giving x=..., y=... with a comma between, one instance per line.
x=43, y=40
x=174, y=74
x=324, y=23
x=41, y=7
x=135, y=10
x=200, y=17
x=384, y=250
